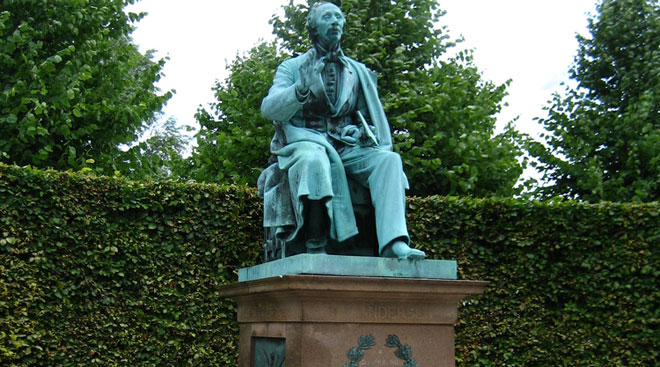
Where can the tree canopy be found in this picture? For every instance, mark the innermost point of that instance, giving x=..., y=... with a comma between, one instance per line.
x=74, y=86
x=603, y=140
x=159, y=154
x=441, y=110
x=232, y=143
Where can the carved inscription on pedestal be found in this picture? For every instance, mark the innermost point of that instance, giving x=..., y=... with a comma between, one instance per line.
x=263, y=310
x=393, y=311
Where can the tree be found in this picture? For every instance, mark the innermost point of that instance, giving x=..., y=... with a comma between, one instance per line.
x=75, y=87
x=441, y=111
x=160, y=155
x=232, y=143
x=603, y=140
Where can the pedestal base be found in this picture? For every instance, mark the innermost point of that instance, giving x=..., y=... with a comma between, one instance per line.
x=311, y=320
x=359, y=266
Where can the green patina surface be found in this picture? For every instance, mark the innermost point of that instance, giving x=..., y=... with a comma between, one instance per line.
x=351, y=266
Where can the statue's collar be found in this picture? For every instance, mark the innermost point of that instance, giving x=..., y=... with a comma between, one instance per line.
x=334, y=54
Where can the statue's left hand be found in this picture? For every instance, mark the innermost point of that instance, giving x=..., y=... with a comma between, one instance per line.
x=350, y=135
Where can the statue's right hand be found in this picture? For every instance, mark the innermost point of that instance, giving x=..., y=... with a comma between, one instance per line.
x=310, y=71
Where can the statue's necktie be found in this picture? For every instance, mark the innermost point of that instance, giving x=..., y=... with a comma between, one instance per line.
x=330, y=71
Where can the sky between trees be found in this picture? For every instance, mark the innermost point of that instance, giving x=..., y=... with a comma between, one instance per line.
x=531, y=42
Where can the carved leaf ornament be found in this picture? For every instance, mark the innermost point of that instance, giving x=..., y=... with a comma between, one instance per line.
x=403, y=352
x=355, y=354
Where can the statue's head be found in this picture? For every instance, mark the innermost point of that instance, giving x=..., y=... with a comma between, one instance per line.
x=325, y=24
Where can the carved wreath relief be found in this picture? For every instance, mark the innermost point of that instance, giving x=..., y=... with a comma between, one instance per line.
x=355, y=354
x=403, y=352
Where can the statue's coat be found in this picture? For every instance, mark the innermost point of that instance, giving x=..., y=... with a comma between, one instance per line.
x=284, y=108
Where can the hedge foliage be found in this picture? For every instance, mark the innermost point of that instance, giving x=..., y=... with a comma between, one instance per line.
x=105, y=271
x=572, y=284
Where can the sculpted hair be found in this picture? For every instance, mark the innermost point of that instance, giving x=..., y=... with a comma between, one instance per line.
x=311, y=20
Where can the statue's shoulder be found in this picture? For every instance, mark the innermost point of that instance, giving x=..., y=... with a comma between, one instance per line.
x=358, y=65
x=295, y=61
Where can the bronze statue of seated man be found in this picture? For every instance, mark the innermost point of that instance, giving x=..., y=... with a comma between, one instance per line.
x=331, y=126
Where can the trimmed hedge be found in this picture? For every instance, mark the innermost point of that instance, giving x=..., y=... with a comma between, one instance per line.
x=105, y=271
x=572, y=284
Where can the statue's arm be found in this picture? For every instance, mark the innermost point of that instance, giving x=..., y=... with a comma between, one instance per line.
x=282, y=101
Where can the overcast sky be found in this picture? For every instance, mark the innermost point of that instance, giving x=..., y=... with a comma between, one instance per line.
x=531, y=42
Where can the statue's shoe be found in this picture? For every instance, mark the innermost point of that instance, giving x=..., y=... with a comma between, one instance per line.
x=402, y=251
x=316, y=246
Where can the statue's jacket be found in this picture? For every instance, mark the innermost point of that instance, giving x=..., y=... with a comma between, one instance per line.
x=292, y=122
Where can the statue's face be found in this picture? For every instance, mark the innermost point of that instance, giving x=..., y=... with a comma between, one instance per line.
x=329, y=24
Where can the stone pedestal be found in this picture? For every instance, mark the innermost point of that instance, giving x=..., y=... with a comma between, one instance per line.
x=310, y=320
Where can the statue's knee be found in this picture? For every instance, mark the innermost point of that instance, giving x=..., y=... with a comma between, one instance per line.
x=315, y=155
x=393, y=160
